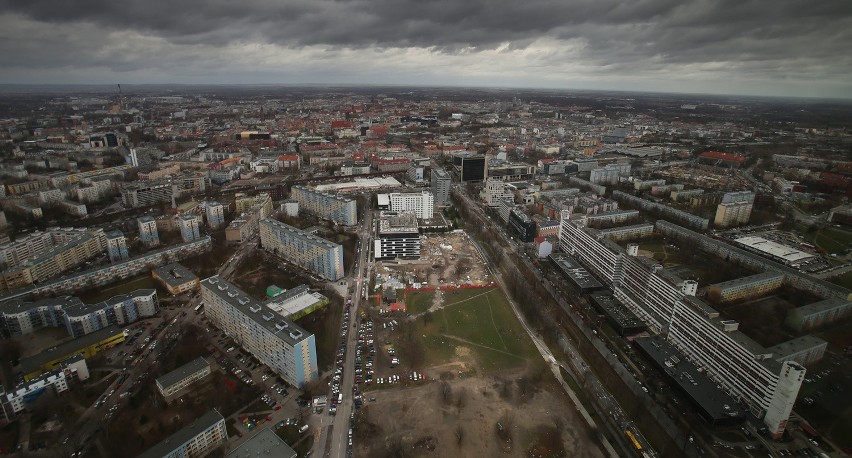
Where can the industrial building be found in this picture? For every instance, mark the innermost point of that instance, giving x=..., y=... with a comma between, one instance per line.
x=287, y=349
x=622, y=320
x=308, y=251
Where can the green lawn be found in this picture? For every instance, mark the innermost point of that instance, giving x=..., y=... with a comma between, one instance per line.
x=831, y=240
x=844, y=280
x=418, y=301
x=481, y=321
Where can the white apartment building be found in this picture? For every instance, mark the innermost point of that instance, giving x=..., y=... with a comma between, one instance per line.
x=148, y=231
x=421, y=204
x=277, y=342
x=203, y=436
x=215, y=214
x=175, y=381
x=494, y=192
x=188, y=225
x=117, y=246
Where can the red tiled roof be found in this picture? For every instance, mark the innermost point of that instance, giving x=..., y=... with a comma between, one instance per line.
x=288, y=157
x=730, y=157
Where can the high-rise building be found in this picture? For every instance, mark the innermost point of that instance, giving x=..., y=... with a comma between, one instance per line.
x=148, y=231
x=277, y=342
x=215, y=214
x=397, y=236
x=341, y=210
x=440, y=186
x=116, y=246
x=470, y=167
x=667, y=304
x=144, y=194
x=735, y=209
x=422, y=204
x=306, y=250
x=188, y=225
x=494, y=192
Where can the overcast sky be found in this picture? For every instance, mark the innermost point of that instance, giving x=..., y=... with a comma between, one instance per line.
x=759, y=47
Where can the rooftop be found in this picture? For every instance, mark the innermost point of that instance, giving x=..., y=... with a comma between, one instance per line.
x=201, y=424
x=174, y=274
x=774, y=249
x=68, y=348
x=182, y=372
x=263, y=444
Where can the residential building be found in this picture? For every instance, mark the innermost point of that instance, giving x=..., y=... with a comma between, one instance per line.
x=416, y=173
x=746, y=287
x=634, y=231
x=116, y=246
x=176, y=278
x=397, y=236
x=663, y=210
x=308, y=251
x=441, y=182
x=215, y=212
x=204, y=435
x=274, y=340
x=666, y=304
x=82, y=319
x=188, y=225
x=148, y=233
x=41, y=256
x=419, y=203
x=143, y=194
x=179, y=379
x=333, y=207
x=735, y=209
x=251, y=211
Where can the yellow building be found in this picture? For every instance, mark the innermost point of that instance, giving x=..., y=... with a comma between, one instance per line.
x=87, y=346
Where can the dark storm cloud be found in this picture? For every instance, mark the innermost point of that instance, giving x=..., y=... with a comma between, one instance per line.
x=754, y=37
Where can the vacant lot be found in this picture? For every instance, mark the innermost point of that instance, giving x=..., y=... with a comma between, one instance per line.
x=831, y=240
x=418, y=301
x=129, y=285
x=259, y=270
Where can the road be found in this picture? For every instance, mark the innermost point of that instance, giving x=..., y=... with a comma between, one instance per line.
x=339, y=429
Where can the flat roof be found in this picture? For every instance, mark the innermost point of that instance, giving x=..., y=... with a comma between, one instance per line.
x=786, y=350
x=616, y=311
x=201, y=424
x=361, y=183
x=68, y=348
x=575, y=271
x=175, y=376
x=715, y=403
x=750, y=279
x=84, y=309
x=774, y=249
x=294, y=300
x=265, y=443
x=305, y=236
x=175, y=274
x=260, y=313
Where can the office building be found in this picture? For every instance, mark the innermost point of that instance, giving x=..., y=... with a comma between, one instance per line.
x=143, y=194
x=174, y=382
x=397, y=236
x=148, y=233
x=341, y=210
x=116, y=246
x=416, y=173
x=203, y=436
x=274, y=340
x=470, y=167
x=494, y=192
x=666, y=304
x=507, y=171
x=176, y=278
x=440, y=186
x=735, y=209
x=188, y=225
x=521, y=225
x=215, y=213
x=419, y=203
x=308, y=251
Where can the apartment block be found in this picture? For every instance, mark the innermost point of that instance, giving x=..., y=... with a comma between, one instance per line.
x=116, y=244
x=144, y=194
x=397, y=236
x=148, y=233
x=735, y=209
x=177, y=380
x=41, y=256
x=341, y=210
x=203, y=436
x=189, y=227
x=422, y=204
x=634, y=231
x=745, y=288
x=82, y=319
x=666, y=304
x=494, y=192
x=215, y=213
x=441, y=182
x=308, y=251
x=277, y=342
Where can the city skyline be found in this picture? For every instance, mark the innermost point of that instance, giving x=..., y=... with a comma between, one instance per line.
x=793, y=49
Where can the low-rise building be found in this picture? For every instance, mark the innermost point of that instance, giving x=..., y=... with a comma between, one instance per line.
x=176, y=278
x=197, y=440
x=174, y=382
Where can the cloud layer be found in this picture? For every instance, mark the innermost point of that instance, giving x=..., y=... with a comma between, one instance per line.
x=786, y=47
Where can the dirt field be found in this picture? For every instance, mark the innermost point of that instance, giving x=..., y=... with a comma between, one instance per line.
x=461, y=417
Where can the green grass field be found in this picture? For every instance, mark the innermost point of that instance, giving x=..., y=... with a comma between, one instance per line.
x=418, y=301
x=831, y=240
x=481, y=321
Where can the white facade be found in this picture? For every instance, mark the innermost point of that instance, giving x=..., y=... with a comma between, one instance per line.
x=215, y=214
x=421, y=204
x=148, y=231
x=117, y=246
x=188, y=225
x=494, y=192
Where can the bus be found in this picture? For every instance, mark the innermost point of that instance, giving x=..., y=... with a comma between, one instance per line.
x=632, y=438
x=198, y=307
